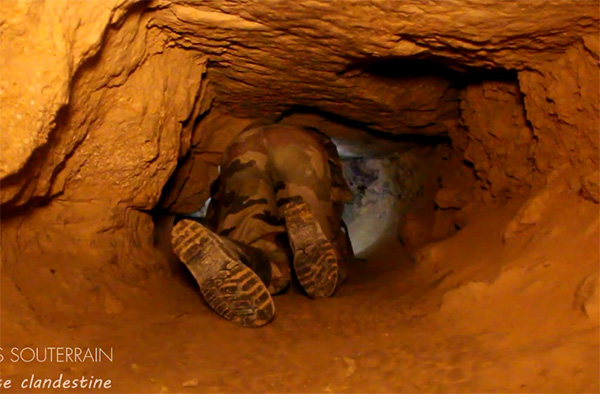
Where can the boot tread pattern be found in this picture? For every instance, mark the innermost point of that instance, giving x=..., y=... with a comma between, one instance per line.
x=315, y=258
x=229, y=287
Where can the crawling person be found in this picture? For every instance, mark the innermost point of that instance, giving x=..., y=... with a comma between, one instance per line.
x=276, y=207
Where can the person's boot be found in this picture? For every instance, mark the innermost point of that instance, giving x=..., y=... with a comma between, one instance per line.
x=230, y=287
x=315, y=258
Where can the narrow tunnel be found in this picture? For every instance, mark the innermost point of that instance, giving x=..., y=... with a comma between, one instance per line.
x=468, y=135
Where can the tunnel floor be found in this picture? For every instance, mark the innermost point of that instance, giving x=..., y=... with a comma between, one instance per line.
x=393, y=327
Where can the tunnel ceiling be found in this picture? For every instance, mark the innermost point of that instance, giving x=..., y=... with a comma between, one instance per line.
x=99, y=97
x=383, y=62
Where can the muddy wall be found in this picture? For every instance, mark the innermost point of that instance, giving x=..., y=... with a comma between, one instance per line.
x=101, y=103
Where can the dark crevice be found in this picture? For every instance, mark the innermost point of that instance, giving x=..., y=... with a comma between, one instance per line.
x=355, y=124
x=402, y=67
x=431, y=66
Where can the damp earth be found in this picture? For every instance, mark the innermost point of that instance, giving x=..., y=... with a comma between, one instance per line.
x=469, y=135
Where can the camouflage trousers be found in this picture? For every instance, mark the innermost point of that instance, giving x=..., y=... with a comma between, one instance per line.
x=262, y=170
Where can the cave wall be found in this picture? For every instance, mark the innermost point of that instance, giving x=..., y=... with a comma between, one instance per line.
x=126, y=105
x=189, y=187
x=496, y=138
x=319, y=54
x=332, y=48
x=562, y=104
x=111, y=144
x=99, y=102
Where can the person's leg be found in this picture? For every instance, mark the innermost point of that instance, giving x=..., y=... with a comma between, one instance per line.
x=276, y=247
x=300, y=167
x=247, y=209
x=294, y=164
x=233, y=278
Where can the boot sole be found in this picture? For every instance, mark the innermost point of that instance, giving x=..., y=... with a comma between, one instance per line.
x=315, y=259
x=230, y=288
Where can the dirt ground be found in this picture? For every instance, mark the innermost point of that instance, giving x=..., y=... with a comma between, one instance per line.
x=470, y=314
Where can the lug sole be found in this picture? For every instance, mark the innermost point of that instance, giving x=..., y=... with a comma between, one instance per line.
x=315, y=259
x=229, y=287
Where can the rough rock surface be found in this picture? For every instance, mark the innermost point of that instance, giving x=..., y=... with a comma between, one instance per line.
x=342, y=61
x=590, y=186
x=498, y=140
x=102, y=100
x=563, y=105
x=43, y=45
x=447, y=198
x=331, y=47
x=112, y=98
x=120, y=135
x=106, y=159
